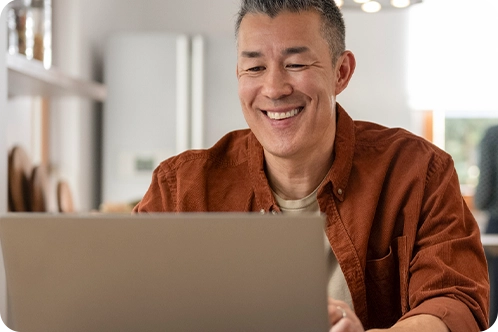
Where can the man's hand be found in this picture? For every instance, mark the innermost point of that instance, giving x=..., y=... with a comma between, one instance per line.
x=342, y=318
x=416, y=324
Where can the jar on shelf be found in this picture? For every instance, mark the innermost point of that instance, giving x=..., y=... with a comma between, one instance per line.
x=33, y=21
x=16, y=27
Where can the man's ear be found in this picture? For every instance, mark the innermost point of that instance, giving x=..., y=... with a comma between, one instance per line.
x=344, y=71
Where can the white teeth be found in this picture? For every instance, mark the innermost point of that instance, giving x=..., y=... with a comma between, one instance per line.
x=283, y=115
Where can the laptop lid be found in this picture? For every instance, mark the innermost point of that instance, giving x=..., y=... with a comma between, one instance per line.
x=164, y=272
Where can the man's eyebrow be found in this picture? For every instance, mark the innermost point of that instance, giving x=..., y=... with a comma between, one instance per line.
x=287, y=51
x=295, y=50
x=251, y=54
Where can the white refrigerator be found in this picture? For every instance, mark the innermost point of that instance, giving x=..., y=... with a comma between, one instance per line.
x=167, y=93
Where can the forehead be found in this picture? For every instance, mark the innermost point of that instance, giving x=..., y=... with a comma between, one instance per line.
x=287, y=27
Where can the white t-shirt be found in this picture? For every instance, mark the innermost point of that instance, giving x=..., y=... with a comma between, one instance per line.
x=337, y=286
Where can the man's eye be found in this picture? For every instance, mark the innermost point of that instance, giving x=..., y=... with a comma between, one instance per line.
x=256, y=69
x=295, y=66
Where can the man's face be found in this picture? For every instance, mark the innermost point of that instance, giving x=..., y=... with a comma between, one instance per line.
x=287, y=82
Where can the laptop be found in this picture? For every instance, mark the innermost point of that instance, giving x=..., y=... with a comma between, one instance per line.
x=164, y=272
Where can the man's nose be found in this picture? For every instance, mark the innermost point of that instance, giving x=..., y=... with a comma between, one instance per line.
x=276, y=84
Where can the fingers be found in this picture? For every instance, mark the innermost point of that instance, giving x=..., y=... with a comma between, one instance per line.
x=342, y=318
x=343, y=312
x=336, y=312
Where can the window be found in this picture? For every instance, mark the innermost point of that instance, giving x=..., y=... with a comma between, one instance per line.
x=462, y=138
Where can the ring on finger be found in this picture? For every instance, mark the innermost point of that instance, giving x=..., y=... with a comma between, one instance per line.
x=342, y=311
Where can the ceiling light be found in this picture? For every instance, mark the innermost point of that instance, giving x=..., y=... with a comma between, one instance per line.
x=371, y=7
x=361, y=1
x=339, y=3
x=400, y=3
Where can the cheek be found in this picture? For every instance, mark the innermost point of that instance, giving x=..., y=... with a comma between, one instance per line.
x=313, y=85
x=246, y=91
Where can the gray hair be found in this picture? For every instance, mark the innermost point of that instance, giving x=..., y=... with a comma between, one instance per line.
x=333, y=27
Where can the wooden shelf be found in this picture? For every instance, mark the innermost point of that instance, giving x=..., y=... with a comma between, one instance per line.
x=30, y=78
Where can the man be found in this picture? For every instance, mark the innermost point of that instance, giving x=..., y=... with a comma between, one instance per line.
x=405, y=249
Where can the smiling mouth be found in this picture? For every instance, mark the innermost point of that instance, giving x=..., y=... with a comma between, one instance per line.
x=283, y=115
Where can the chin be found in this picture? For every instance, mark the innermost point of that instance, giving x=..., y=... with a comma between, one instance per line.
x=281, y=151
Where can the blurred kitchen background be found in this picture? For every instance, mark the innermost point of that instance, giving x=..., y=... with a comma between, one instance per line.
x=163, y=76
x=95, y=93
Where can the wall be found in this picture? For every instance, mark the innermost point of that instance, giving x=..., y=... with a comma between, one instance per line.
x=101, y=18
x=223, y=113
x=377, y=91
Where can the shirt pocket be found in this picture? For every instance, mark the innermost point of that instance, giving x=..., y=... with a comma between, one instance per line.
x=386, y=300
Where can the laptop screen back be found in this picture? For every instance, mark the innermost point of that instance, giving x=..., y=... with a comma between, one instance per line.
x=164, y=272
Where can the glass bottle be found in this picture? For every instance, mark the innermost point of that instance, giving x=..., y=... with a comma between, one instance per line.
x=16, y=25
x=13, y=36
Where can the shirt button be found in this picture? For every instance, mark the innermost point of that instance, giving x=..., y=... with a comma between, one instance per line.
x=339, y=191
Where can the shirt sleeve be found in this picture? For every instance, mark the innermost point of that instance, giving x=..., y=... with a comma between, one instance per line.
x=159, y=197
x=448, y=272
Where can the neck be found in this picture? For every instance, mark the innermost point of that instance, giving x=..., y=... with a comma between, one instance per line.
x=295, y=178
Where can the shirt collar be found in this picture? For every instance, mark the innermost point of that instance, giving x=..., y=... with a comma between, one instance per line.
x=344, y=146
x=261, y=187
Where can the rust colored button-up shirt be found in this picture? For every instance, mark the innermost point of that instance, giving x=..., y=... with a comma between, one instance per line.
x=396, y=220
